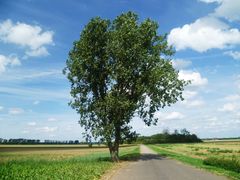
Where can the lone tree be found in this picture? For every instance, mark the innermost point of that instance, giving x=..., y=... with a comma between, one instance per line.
x=120, y=69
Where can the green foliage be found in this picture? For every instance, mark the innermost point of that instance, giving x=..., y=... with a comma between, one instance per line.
x=118, y=69
x=228, y=164
x=166, y=137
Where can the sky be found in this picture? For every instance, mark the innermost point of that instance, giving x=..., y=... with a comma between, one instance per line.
x=36, y=36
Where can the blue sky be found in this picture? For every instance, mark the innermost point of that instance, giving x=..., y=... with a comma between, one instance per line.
x=36, y=36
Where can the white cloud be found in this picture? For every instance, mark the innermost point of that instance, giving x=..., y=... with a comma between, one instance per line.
x=174, y=115
x=193, y=103
x=234, y=54
x=204, y=34
x=228, y=9
x=190, y=99
x=189, y=94
x=8, y=61
x=234, y=97
x=195, y=78
x=229, y=107
x=169, y=116
x=25, y=132
x=210, y=1
x=180, y=63
x=47, y=129
x=15, y=111
x=31, y=37
x=52, y=119
x=32, y=124
x=1, y=108
x=36, y=102
x=42, y=51
x=212, y=118
x=33, y=93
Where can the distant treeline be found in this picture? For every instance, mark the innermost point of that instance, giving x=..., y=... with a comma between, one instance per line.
x=214, y=139
x=183, y=136
x=37, y=141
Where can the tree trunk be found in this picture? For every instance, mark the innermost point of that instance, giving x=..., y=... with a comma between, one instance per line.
x=114, y=153
x=114, y=146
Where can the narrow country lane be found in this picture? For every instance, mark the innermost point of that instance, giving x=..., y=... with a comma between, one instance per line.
x=152, y=167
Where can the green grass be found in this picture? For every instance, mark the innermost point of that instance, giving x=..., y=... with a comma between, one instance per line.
x=228, y=164
x=79, y=167
x=199, y=163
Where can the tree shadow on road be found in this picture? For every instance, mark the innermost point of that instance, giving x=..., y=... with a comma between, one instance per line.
x=147, y=157
x=135, y=157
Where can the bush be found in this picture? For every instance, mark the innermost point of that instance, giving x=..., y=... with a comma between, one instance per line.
x=228, y=164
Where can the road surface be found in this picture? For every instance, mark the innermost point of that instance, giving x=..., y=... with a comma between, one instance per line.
x=152, y=166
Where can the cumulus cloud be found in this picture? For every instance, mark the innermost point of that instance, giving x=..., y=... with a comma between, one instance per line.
x=25, y=132
x=210, y=1
x=33, y=38
x=229, y=107
x=190, y=99
x=15, y=111
x=204, y=34
x=180, y=63
x=228, y=9
x=52, y=119
x=47, y=129
x=193, y=103
x=195, y=78
x=234, y=97
x=5, y=61
x=189, y=94
x=36, y=102
x=234, y=54
x=32, y=124
x=169, y=116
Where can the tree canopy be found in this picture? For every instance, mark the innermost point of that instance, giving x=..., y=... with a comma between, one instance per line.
x=120, y=69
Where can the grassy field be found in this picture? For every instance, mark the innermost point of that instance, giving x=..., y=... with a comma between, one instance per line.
x=221, y=157
x=58, y=162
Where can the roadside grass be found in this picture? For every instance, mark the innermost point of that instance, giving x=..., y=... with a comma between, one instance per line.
x=86, y=167
x=228, y=164
x=197, y=162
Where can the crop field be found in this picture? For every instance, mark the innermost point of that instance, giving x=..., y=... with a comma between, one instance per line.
x=58, y=161
x=221, y=157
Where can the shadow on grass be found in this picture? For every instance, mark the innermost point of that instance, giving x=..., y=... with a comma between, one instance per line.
x=125, y=157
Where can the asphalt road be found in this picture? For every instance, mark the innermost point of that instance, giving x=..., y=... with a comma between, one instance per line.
x=151, y=166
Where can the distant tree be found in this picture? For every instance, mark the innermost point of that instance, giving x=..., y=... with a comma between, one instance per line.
x=119, y=69
x=184, y=131
x=166, y=131
x=176, y=132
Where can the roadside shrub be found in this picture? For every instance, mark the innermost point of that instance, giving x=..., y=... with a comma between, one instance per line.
x=228, y=164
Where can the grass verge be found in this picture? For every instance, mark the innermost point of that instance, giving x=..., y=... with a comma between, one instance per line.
x=199, y=163
x=85, y=167
x=228, y=164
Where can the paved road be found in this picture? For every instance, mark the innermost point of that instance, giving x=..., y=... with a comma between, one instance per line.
x=151, y=167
